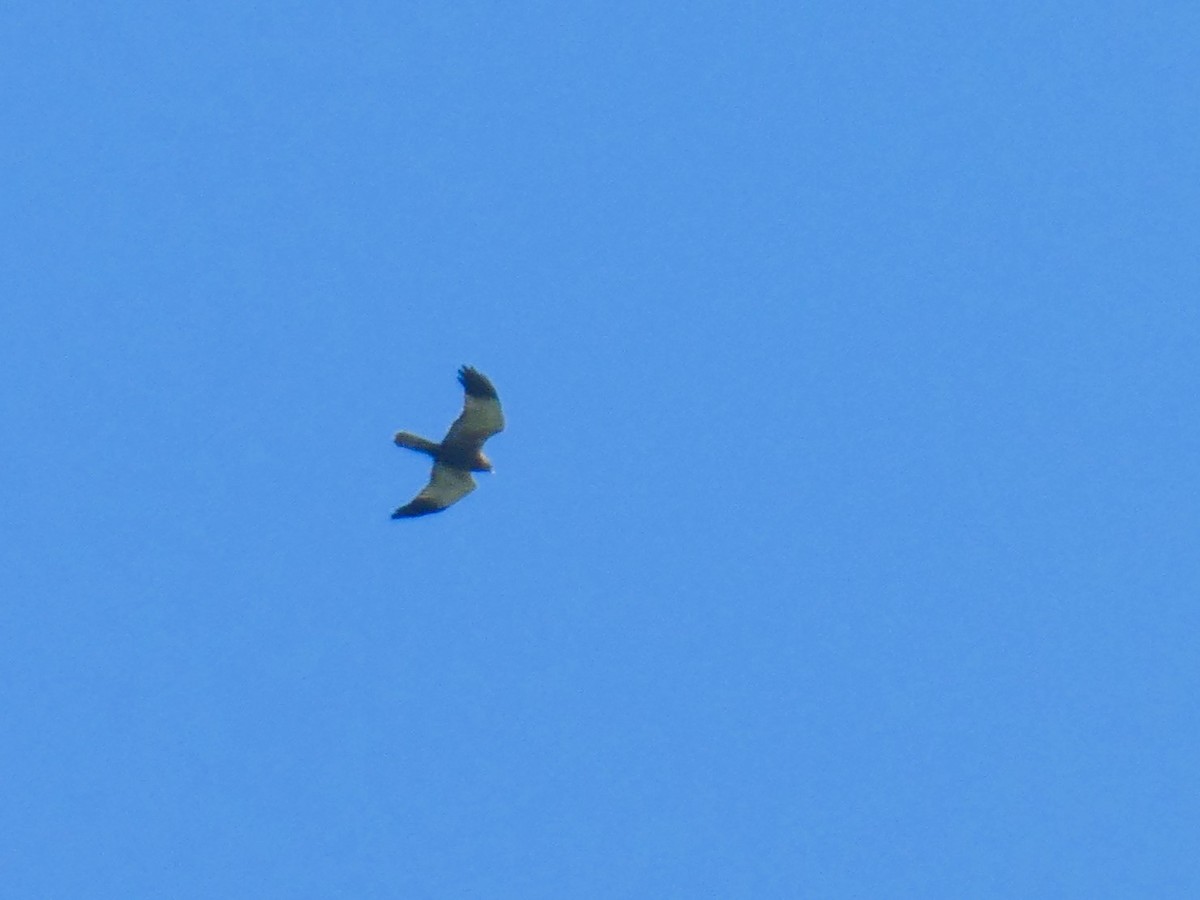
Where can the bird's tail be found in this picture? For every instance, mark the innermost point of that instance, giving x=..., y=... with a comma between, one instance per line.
x=416, y=442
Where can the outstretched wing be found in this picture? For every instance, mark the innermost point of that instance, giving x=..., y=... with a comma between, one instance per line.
x=481, y=416
x=447, y=485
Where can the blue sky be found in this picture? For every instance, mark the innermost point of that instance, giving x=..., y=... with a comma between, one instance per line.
x=843, y=536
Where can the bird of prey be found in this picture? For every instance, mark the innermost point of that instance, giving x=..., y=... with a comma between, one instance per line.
x=461, y=451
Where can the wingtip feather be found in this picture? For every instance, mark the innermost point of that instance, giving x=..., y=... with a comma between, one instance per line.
x=475, y=383
x=420, y=506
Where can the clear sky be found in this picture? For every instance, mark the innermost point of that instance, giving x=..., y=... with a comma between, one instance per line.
x=843, y=538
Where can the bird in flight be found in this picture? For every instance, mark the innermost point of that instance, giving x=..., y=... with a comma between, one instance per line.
x=461, y=451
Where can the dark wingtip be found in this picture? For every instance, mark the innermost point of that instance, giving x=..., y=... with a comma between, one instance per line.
x=418, y=507
x=475, y=384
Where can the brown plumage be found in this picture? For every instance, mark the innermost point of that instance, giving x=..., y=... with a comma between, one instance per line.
x=461, y=451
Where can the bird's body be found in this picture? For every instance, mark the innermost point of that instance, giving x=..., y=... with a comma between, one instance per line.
x=461, y=451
